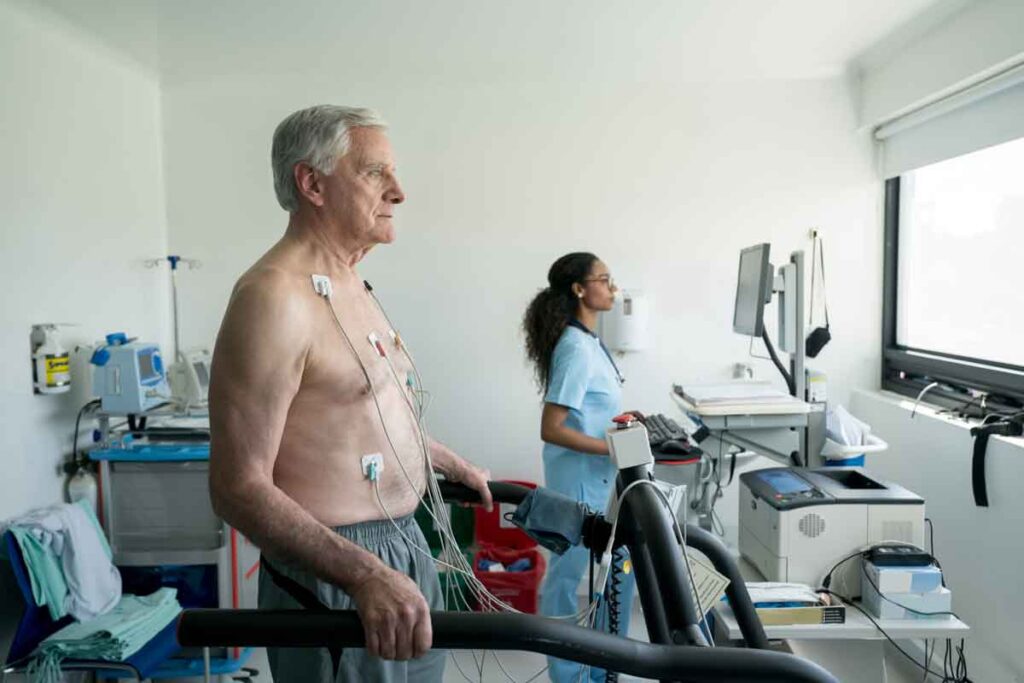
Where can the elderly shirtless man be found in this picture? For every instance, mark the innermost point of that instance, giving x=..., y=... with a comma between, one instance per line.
x=292, y=414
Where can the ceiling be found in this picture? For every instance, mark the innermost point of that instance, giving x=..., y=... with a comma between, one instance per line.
x=510, y=40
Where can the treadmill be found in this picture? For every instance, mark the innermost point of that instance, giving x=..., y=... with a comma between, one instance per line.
x=677, y=651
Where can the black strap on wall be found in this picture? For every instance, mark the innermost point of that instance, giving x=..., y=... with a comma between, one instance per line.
x=819, y=336
x=978, y=484
x=1012, y=425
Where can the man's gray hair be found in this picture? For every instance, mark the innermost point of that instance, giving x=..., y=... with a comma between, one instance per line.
x=318, y=136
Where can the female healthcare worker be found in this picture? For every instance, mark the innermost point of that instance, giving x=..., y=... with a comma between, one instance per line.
x=582, y=393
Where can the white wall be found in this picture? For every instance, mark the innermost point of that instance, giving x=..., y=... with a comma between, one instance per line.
x=81, y=188
x=980, y=35
x=979, y=548
x=666, y=182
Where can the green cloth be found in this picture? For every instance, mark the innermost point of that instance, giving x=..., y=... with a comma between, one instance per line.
x=113, y=636
x=45, y=571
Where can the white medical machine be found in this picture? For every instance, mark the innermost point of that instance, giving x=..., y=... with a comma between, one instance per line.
x=128, y=376
x=796, y=524
x=190, y=377
x=629, y=446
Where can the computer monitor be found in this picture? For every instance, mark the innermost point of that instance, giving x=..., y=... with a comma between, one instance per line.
x=753, y=289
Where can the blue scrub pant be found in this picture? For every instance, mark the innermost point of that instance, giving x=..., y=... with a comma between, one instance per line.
x=558, y=594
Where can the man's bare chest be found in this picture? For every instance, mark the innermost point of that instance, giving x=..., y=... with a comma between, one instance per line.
x=354, y=352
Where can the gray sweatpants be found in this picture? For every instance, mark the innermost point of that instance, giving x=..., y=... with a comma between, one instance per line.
x=313, y=665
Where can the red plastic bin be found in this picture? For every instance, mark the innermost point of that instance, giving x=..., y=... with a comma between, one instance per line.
x=492, y=529
x=519, y=589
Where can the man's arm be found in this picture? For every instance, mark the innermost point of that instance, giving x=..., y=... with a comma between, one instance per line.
x=256, y=372
x=461, y=471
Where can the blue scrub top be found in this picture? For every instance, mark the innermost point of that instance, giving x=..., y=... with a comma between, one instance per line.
x=583, y=380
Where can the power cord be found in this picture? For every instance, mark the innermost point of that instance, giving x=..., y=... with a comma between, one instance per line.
x=960, y=675
x=953, y=671
x=76, y=461
x=790, y=380
x=920, y=396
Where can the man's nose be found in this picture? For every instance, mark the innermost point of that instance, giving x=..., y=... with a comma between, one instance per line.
x=394, y=194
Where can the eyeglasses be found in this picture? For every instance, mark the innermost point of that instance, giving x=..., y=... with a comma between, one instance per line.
x=608, y=280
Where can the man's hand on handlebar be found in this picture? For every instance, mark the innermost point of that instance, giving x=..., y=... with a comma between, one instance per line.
x=475, y=478
x=395, y=615
x=460, y=471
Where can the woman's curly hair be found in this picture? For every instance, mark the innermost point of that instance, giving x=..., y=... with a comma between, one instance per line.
x=551, y=310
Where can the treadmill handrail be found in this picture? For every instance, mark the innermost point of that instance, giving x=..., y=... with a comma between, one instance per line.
x=501, y=492
x=739, y=599
x=496, y=631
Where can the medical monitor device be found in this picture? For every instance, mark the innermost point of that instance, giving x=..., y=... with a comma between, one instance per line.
x=190, y=377
x=753, y=290
x=128, y=377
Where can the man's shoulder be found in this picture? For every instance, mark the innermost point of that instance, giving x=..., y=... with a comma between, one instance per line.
x=273, y=275
x=268, y=291
x=274, y=283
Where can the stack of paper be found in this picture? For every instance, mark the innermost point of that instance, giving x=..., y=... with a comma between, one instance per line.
x=739, y=397
x=786, y=604
x=789, y=594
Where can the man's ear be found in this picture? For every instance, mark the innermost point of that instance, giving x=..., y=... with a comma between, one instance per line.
x=308, y=182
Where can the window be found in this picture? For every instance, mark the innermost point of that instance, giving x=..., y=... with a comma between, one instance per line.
x=954, y=275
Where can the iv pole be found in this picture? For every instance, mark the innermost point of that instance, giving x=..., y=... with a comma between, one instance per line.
x=174, y=260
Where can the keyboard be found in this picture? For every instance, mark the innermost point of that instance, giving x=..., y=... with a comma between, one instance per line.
x=661, y=429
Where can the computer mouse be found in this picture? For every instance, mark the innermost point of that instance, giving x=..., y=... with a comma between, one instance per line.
x=675, y=447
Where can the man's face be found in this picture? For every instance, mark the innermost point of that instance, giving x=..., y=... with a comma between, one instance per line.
x=361, y=194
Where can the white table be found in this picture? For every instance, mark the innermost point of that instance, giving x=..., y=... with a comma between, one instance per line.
x=853, y=651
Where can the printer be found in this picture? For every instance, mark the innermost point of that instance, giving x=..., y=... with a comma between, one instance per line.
x=796, y=524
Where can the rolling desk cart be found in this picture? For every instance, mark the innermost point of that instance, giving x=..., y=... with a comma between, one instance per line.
x=155, y=509
x=789, y=433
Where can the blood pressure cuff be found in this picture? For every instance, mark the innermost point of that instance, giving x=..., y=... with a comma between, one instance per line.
x=552, y=519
